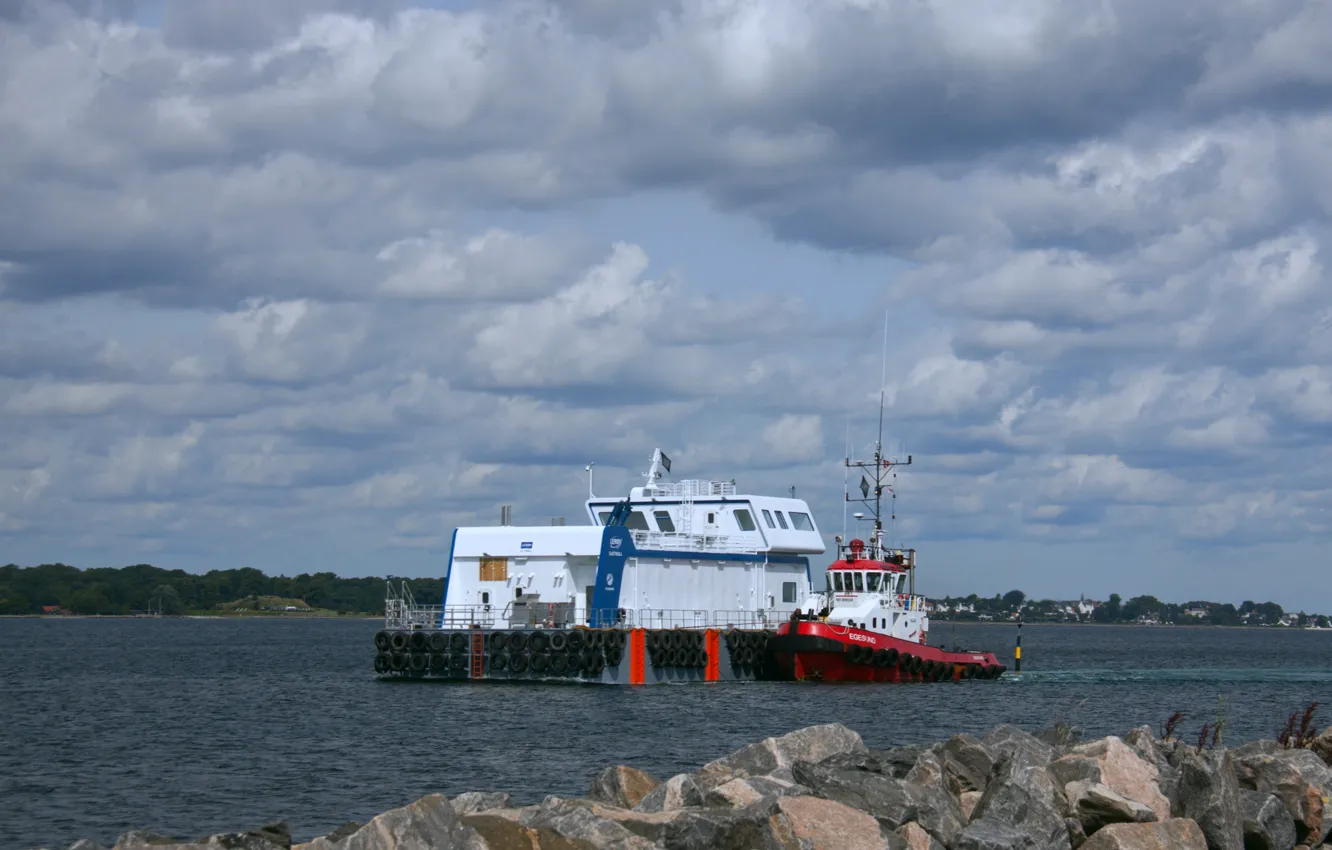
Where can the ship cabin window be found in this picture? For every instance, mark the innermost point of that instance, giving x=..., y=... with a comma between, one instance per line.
x=875, y=621
x=604, y=516
x=781, y=520
x=801, y=522
x=637, y=521
x=872, y=582
x=837, y=582
x=712, y=518
x=664, y=520
x=788, y=591
x=767, y=517
x=745, y=519
x=485, y=598
x=860, y=582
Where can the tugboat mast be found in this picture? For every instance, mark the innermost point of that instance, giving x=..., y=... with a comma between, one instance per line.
x=881, y=465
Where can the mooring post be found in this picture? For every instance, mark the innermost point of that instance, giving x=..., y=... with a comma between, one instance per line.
x=1017, y=650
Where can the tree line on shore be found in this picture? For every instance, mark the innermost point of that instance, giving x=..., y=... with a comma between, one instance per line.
x=143, y=587
x=1139, y=609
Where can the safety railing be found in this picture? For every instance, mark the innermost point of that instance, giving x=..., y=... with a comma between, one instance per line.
x=693, y=489
x=676, y=541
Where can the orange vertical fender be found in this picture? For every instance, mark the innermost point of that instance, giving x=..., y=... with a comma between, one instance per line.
x=637, y=656
x=712, y=640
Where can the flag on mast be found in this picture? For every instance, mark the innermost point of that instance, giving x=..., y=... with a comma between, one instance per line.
x=665, y=462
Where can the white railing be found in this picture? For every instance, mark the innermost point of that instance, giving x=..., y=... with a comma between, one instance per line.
x=677, y=541
x=693, y=489
x=400, y=615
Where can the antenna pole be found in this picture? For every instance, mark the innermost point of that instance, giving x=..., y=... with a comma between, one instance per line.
x=590, y=494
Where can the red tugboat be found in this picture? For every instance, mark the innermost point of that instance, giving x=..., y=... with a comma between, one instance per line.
x=869, y=625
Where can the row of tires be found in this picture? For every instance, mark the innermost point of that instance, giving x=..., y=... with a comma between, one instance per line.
x=914, y=665
x=554, y=640
x=589, y=662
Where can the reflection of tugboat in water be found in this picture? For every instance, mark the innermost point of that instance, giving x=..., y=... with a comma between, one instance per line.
x=869, y=625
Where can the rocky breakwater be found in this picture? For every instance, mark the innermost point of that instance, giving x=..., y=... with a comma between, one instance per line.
x=821, y=788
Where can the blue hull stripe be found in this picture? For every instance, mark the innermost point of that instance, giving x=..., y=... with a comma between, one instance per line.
x=617, y=546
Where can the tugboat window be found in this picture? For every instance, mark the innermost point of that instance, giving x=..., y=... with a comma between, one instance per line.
x=872, y=582
x=664, y=521
x=860, y=584
x=837, y=582
x=604, y=516
x=781, y=520
x=788, y=591
x=745, y=519
x=801, y=522
x=767, y=517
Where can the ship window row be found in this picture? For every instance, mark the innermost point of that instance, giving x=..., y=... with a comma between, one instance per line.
x=638, y=521
x=800, y=521
x=856, y=581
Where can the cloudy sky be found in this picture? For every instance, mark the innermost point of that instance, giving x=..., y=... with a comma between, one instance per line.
x=304, y=285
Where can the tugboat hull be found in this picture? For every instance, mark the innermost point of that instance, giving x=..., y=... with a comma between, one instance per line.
x=827, y=652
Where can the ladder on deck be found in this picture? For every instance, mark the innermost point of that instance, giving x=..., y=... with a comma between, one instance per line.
x=478, y=644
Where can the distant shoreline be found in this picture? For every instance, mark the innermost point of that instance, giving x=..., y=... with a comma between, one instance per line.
x=290, y=615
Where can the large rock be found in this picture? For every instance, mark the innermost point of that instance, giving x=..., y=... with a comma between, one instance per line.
x=1209, y=794
x=937, y=810
x=1096, y=806
x=1322, y=746
x=1267, y=823
x=883, y=797
x=917, y=837
x=272, y=837
x=761, y=826
x=582, y=821
x=1300, y=780
x=473, y=802
x=1125, y=772
x=829, y=825
x=969, y=799
x=1143, y=742
x=136, y=838
x=428, y=824
x=811, y=744
x=621, y=786
x=984, y=834
x=1173, y=834
x=86, y=844
x=678, y=792
x=1006, y=740
x=968, y=762
x=1022, y=795
x=742, y=792
x=500, y=833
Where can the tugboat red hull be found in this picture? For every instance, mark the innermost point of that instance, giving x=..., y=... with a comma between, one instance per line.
x=808, y=650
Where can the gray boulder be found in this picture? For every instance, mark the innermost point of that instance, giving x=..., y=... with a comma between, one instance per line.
x=1022, y=795
x=580, y=821
x=473, y=802
x=828, y=825
x=1157, y=752
x=739, y=793
x=936, y=810
x=678, y=792
x=428, y=824
x=1322, y=746
x=1173, y=834
x=1300, y=780
x=1006, y=740
x=1128, y=774
x=811, y=744
x=984, y=834
x=1096, y=806
x=883, y=797
x=86, y=844
x=142, y=838
x=1209, y=795
x=621, y=786
x=968, y=761
x=1267, y=823
x=501, y=833
x=1061, y=737
x=760, y=826
x=916, y=837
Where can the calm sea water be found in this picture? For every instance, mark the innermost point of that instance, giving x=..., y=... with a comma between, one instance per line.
x=190, y=727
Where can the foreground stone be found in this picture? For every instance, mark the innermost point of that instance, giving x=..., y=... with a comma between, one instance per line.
x=621, y=786
x=821, y=788
x=1173, y=834
x=1267, y=824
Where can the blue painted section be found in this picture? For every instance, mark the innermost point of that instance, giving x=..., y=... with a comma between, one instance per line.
x=617, y=546
x=445, y=601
